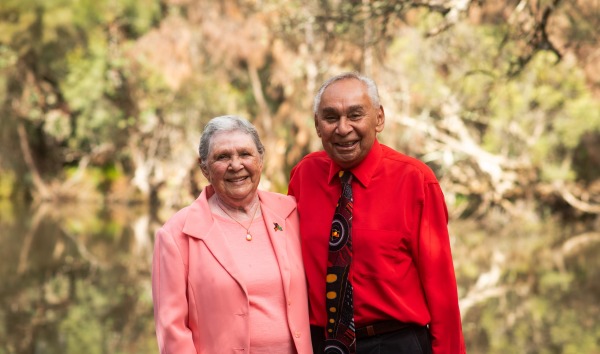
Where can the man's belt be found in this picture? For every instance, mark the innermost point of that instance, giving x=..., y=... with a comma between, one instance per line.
x=383, y=327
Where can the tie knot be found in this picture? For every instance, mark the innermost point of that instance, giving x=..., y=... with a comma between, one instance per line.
x=345, y=177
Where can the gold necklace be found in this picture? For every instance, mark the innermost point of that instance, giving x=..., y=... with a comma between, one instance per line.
x=248, y=236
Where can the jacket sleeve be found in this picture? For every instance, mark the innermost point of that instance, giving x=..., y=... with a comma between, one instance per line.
x=436, y=271
x=169, y=294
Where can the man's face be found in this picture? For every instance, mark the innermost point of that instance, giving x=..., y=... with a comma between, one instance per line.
x=347, y=122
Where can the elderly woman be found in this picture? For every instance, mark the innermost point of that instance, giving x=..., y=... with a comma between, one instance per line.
x=227, y=274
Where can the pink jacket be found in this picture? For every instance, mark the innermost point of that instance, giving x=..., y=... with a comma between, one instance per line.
x=190, y=255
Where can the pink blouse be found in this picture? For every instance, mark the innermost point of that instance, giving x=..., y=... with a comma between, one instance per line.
x=257, y=262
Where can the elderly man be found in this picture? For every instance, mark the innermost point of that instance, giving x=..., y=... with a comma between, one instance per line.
x=374, y=234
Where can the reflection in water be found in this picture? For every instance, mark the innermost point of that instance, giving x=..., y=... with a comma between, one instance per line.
x=76, y=279
x=529, y=287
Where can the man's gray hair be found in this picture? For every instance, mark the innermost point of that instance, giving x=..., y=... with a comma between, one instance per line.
x=368, y=82
x=227, y=123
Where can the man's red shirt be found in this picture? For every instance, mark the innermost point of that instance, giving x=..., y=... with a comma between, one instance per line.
x=402, y=263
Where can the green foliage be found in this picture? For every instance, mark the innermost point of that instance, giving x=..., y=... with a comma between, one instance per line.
x=582, y=115
x=84, y=333
x=8, y=58
x=539, y=115
x=71, y=53
x=8, y=180
x=98, y=116
x=550, y=281
x=548, y=298
x=58, y=125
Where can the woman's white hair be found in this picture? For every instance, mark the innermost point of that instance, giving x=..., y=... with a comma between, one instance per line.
x=227, y=123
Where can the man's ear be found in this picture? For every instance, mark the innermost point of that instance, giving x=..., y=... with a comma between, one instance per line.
x=380, y=119
x=317, y=126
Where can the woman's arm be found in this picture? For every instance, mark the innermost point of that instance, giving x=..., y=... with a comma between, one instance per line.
x=169, y=293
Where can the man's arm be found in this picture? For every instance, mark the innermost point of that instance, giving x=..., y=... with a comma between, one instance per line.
x=436, y=271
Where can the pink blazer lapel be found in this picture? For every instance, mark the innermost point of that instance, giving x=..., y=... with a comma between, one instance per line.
x=276, y=208
x=200, y=224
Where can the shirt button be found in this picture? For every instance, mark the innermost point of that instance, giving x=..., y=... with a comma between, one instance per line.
x=289, y=303
x=297, y=334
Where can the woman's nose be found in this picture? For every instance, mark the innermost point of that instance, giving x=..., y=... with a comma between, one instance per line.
x=236, y=163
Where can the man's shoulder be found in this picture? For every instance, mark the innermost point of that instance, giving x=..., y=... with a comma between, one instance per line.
x=311, y=170
x=397, y=159
x=315, y=157
x=313, y=160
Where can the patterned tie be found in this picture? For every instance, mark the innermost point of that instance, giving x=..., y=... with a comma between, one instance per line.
x=340, y=337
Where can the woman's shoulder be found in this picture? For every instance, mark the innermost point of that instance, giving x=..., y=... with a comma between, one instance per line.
x=274, y=197
x=278, y=203
x=177, y=220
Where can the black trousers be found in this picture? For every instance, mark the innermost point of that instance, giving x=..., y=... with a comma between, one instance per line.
x=411, y=340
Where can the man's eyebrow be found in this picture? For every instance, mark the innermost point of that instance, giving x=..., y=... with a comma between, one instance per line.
x=329, y=110
x=356, y=107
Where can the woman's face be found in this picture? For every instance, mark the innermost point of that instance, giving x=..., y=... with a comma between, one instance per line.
x=233, y=167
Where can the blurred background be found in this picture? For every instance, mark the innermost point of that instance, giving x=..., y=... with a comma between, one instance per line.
x=102, y=103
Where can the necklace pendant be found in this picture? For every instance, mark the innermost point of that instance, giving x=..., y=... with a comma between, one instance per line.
x=248, y=237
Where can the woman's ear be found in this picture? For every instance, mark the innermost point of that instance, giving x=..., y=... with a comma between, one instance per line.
x=203, y=169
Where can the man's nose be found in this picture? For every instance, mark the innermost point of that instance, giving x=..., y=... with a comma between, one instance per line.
x=344, y=127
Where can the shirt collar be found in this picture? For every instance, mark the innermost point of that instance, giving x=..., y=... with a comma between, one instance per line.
x=364, y=171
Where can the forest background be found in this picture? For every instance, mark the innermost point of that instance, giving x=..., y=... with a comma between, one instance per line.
x=102, y=103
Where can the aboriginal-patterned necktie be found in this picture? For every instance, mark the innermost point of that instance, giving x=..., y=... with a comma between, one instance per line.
x=340, y=336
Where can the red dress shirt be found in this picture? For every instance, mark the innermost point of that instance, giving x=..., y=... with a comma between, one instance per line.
x=402, y=264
